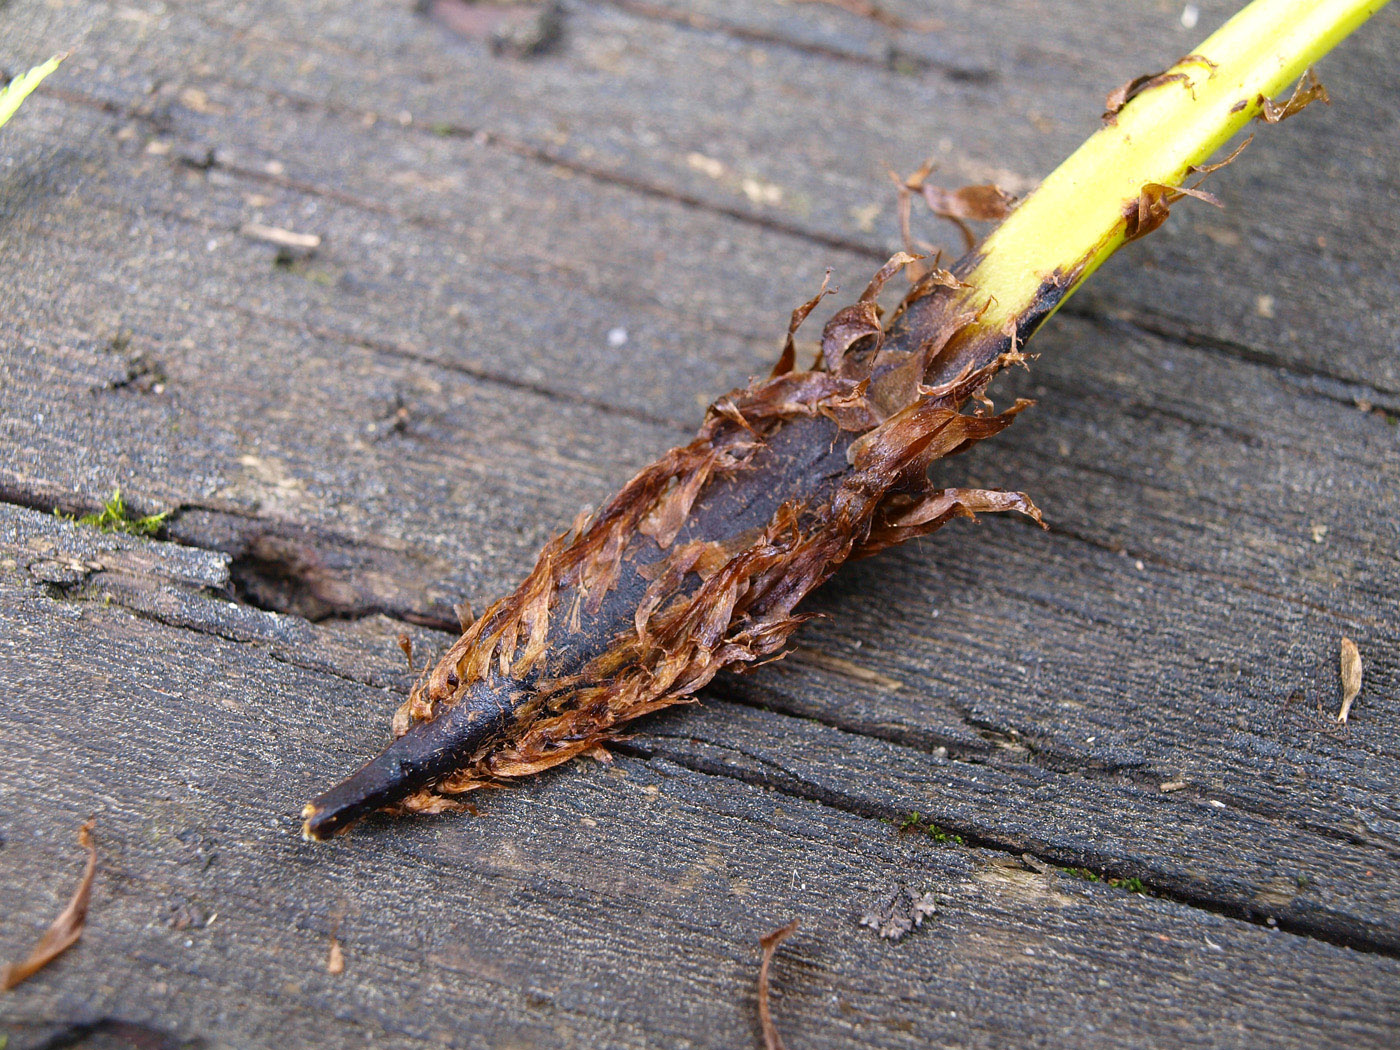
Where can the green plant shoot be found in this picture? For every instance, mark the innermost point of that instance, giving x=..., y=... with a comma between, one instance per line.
x=22, y=86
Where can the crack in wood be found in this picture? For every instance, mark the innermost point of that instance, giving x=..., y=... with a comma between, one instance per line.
x=110, y=1033
x=1029, y=751
x=1152, y=558
x=894, y=59
x=492, y=139
x=274, y=565
x=1183, y=335
x=1384, y=399
x=272, y=570
x=1157, y=884
x=779, y=778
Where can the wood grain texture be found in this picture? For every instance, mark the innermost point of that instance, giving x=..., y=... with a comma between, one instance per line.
x=513, y=929
x=364, y=437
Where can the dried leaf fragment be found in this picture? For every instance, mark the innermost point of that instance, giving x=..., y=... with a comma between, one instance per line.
x=1125, y=93
x=788, y=359
x=769, y=943
x=1154, y=204
x=1308, y=90
x=1351, y=677
x=987, y=202
x=66, y=929
x=335, y=959
x=984, y=203
x=1211, y=169
x=1121, y=96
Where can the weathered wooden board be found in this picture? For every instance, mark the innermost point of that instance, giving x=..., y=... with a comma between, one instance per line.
x=470, y=453
x=210, y=922
x=400, y=419
x=805, y=141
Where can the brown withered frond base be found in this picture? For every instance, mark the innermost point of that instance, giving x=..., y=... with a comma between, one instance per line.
x=700, y=562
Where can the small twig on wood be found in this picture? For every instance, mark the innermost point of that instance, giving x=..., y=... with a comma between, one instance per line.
x=1351, y=677
x=769, y=943
x=280, y=238
x=66, y=929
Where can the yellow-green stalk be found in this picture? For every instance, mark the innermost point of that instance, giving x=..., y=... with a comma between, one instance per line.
x=1076, y=218
x=19, y=89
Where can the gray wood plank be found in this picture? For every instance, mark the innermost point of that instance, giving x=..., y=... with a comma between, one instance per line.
x=402, y=419
x=212, y=921
x=812, y=137
x=1107, y=678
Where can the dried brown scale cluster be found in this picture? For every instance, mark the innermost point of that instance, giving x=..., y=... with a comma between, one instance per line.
x=702, y=559
x=713, y=603
x=1122, y=95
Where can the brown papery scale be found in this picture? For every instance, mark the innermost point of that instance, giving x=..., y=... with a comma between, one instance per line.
x=702, y=559
x=700, y=562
